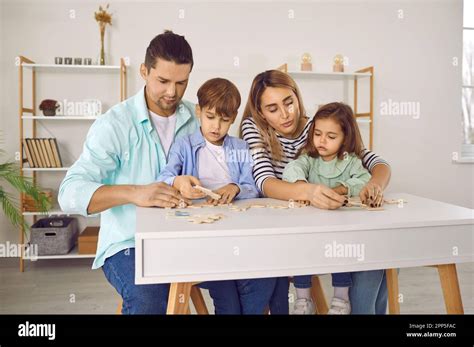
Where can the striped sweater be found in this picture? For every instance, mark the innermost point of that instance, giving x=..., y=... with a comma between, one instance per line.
x=266, y=167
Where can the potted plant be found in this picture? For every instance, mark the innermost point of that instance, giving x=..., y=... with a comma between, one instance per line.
x=49, y=107
x=10, y=175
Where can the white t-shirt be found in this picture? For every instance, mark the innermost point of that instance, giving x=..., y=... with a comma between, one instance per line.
x=213, y=171
x=165, y=127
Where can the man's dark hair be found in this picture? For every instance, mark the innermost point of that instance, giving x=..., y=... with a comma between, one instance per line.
x=170, y=47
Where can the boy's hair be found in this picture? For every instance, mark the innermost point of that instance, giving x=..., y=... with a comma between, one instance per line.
x=170, y=47
x=343, y=115
x=220, y=94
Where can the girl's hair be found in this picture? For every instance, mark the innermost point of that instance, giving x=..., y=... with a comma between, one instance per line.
x=343, y=115
x=277, y=79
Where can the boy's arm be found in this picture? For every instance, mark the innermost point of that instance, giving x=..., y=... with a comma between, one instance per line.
x=174, y=167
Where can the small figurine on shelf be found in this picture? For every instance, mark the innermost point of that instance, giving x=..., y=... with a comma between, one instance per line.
x=103, y=18
x=306, y=62
x=49, y=107
x=338, y=63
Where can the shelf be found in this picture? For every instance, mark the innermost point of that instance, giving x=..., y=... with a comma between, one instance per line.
x=329, y=74
x=60, y=117
x=56, y=211
x=47, y=169
x=78, y=67
x=73, y=254
x=359, y=120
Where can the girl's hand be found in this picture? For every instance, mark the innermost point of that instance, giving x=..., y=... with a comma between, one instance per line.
x=372, y=194
x=324, y=197
x=185, y=186
x=227, y=193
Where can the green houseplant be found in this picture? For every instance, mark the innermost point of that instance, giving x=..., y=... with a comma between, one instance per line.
x=10, y=175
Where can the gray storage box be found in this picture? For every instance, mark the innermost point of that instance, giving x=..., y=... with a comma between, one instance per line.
x=54, y=236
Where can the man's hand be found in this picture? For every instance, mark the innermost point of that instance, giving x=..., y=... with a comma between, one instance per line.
x=185, y=184
x=156, y=194
x=227, y=193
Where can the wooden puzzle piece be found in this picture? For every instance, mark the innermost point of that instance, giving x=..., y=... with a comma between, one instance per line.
x=201, y=219
x=208, y=192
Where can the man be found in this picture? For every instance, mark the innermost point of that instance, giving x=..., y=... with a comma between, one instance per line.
x=123, y=155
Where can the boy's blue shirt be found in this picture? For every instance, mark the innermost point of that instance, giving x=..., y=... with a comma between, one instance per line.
x=183, y=160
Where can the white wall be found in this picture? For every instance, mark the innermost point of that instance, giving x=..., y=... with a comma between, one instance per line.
x=412, y=57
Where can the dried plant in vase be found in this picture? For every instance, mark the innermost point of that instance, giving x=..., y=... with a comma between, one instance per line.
x=103, y=18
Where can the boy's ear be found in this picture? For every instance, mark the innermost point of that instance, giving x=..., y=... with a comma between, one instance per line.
x=198, y=110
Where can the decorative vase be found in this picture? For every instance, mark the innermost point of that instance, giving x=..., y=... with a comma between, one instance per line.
x=102, y=50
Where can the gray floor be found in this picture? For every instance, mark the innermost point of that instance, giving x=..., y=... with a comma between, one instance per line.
x=70, y=286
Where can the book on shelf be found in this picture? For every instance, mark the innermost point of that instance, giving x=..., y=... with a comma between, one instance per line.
x=42, y=152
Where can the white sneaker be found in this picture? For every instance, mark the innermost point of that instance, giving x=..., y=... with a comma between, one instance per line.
x=304, y=306
x=340, y=306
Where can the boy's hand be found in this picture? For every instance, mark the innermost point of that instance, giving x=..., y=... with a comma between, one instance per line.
x=185, y=186
x=227, y=193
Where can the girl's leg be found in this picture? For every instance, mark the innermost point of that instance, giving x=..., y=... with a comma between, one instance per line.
x=303, y=303
x=341, y=283
x=255, y=294
x=279, y=300
x=225, y=296
x=368, y=293
x=303, y=286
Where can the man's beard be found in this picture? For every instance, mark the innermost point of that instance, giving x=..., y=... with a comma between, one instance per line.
x=164, y=106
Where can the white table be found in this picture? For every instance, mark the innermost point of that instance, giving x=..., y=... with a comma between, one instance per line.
x=266, y=242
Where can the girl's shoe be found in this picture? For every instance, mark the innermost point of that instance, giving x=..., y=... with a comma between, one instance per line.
x=304, y=306
x=340, y=306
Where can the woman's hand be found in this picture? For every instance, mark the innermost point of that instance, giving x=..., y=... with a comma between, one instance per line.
x=324, y=197
x=185, y=186
x=372, y=194
x=227, y=193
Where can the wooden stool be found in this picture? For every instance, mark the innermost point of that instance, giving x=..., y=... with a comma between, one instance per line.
x=196, y=297
x=449, y=283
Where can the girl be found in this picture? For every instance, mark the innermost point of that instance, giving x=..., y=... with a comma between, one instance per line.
x=330, y=157
x=275, y=126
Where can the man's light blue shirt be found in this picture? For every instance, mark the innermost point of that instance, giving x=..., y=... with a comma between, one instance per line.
x=122, y=147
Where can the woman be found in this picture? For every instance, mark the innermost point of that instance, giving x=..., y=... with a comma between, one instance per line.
x=275, y=126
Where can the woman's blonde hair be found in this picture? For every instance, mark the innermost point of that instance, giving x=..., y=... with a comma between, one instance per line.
x=276, y=79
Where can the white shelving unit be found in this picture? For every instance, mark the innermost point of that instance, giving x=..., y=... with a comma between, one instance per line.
x=60, y=118
x=33, y=117
x=354, y=76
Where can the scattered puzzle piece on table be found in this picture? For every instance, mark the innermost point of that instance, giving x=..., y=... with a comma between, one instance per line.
x=200, y=219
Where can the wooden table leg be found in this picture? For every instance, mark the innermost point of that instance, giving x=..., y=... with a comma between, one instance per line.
x=450, y=285
x=392, y=287
x=318, y=296
x=198, y=300
x=178, y=299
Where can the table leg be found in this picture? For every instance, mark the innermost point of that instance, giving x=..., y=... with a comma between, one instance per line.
x=178, y=299
x=392, y=287
x=450, y=285
x=198, y=300
x=318, y=296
